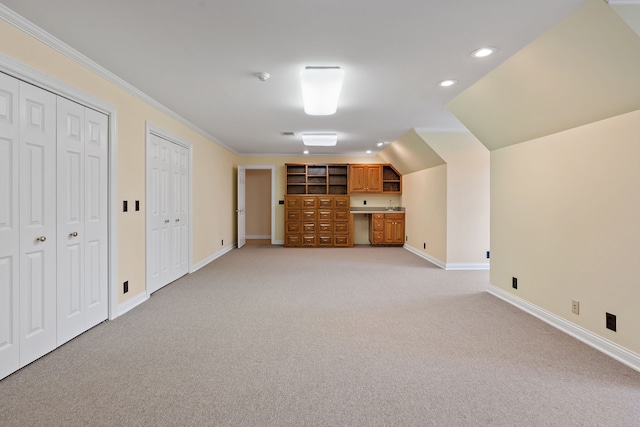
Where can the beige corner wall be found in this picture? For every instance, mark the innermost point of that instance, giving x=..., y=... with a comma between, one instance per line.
x=424, y=196
x=468, y=206
x=565, y=212
x=213, y=165
x=279, y=163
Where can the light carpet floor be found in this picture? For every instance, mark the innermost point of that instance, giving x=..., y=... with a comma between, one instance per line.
x=272, y=336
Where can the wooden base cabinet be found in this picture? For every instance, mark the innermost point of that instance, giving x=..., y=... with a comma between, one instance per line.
x=317, y=221
x=386, y=229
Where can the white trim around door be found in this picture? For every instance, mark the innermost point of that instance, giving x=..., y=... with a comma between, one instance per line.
x=272, y=168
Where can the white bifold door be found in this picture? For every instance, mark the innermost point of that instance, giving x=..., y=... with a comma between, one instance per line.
x=167, y=212
x=48, y=271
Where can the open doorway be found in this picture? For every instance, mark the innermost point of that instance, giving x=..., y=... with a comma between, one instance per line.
x=259, y=204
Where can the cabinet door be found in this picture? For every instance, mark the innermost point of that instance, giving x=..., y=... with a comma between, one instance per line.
x=398, y=231
x=374, y=179
x=357, y=179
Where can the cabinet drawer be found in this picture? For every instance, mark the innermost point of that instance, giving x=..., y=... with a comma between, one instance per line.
x=325, y=215
x=341, y=215
x=309, y=202
x=394, y=216
x=309, y=214
x=377, y=216
x=292, y=227
x=341, y=240
x=325, y=240
x=292, y=240
x=309, y=227
x=325, y=202
x=324, y=227
x=292, y=215
x=378, y=237
x=378, y=225
x=309, y=240
x=292, y=202
x=341, y=202
x=341, y=227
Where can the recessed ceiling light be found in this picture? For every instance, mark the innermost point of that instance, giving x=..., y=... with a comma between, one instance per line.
x=380, y=144
x=305, y=152
x=369, y=151
x=483, y=52
x=320, y=139
x=447, y=83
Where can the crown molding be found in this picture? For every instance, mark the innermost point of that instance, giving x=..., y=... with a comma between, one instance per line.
x=624, y=2
x=41, y=35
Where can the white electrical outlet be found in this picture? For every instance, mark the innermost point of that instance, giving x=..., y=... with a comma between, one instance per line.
x=575, y=307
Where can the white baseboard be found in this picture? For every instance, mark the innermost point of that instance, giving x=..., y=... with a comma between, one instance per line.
x=258, y=236
x=197, y=266
x=278, y=242
x=468, y=266
x=428, y=257
x=132, y=303
x=603, y=345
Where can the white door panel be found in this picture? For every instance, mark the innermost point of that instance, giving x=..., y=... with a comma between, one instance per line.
x=242, y=237
x=38, y=223
x=9, y=226
x=70, y=209
x=96, y=285
x=168, y=218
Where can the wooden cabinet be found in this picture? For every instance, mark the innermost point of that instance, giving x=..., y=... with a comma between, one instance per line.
x=316, y=178
x=387, y=229
x=317, y=221
x=374, y=179
x=365, y=178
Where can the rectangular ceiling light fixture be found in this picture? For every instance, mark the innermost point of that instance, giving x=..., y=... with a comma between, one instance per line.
x=320, y=139
x=321, y=88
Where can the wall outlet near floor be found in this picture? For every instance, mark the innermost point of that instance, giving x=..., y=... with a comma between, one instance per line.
x=611, y=321
x=488, y=254
x=424, y=246
x=575, y=307
x=125, y=287
x=222, y=242
x=514, y=282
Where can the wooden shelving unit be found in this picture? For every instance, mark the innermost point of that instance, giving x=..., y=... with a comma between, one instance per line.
x=317, y=179
x=391, y=180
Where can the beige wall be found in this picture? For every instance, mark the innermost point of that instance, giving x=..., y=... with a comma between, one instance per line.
x=425, y=198
x=467, y=200
x=258, y=202
x=212, y=170
x=565, y=212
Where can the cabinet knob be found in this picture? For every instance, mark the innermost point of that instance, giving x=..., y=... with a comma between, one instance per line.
x=177, y=219
x=74, y=234
x=41, y=238
x=166, y=221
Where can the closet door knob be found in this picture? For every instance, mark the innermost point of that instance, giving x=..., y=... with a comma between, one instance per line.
x=177, y=219
x=74, y=234
x=166, y=221
x=41, y=238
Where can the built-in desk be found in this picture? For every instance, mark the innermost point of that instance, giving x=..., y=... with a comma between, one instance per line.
x=385, y=225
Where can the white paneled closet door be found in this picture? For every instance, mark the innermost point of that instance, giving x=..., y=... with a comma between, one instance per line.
x=9, y=226
x=168, y=215
x=37, y=222
x=82, y=219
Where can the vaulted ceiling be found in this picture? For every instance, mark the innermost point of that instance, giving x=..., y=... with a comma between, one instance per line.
x=198, y=58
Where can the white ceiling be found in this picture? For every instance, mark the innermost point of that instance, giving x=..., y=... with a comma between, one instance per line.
x=198, y=57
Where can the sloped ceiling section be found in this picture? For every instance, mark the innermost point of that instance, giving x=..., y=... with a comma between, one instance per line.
x=629, y=12
x=410, y=153
x=584, y=69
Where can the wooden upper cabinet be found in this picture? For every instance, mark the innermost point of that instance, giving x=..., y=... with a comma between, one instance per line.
x=365, y=178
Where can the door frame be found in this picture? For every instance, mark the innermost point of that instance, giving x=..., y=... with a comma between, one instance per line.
x=272, y=168
x=152, y=129
x=21, y=71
